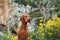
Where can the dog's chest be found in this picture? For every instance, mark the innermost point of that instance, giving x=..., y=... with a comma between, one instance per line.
x=23, y=32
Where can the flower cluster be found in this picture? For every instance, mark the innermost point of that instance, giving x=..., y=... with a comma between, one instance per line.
x=55, y=21
x=14, y=37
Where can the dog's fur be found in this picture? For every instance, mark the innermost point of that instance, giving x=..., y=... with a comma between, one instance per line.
x=22, y=31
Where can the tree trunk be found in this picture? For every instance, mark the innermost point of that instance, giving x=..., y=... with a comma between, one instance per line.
x=4, y=10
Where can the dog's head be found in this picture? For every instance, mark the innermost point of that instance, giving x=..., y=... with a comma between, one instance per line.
x=25, y=18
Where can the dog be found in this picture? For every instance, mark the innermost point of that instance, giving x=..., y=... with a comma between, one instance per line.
x=22, y=30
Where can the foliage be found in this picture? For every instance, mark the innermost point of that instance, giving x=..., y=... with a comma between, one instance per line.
x=52, y=28
x=26, y=2
x=7, y=36
x=40, y=31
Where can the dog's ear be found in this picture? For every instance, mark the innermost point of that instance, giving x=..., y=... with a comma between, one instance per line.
x=22, y=18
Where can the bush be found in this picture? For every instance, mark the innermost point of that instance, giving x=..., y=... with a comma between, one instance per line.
x=9, y=36
x=49, y=30
x=52, y=29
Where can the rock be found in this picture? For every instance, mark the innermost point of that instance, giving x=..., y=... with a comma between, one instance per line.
x=2, y=27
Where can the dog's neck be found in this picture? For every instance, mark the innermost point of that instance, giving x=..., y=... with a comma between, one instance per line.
x=24, y=24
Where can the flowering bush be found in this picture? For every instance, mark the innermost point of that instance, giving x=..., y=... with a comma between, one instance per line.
x=55, y=21
x=9, y=36
x=52, y=28
x=49, y=30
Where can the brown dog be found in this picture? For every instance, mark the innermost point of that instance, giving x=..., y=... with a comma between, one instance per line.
x=22, y=31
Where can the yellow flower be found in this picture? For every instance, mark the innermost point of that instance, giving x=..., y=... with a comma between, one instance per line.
x=54, y=22
x=14, y=37
x=40, y=24
x=41, y=20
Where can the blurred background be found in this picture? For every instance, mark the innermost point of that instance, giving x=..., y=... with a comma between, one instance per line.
x=45, y=18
